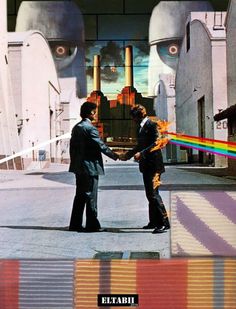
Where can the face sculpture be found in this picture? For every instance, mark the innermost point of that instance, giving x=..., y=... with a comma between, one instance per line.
x=166, y=31
x=61, y=22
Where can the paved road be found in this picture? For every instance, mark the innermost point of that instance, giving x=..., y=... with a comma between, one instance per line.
x=35, y=212
x=36, y=206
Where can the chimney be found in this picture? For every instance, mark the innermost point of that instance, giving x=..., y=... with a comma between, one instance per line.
x=128, y=66
x=96, y=73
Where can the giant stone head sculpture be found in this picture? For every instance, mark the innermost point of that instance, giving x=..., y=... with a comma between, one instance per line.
x=61, y=22
x=166, y=31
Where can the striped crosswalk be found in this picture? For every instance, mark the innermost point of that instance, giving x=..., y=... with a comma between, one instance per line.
x=203, y=223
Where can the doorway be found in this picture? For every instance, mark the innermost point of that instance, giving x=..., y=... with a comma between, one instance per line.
x=201, y=127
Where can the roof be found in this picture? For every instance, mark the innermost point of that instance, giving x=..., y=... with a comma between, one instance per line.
x=20, y=37
x=227, y=113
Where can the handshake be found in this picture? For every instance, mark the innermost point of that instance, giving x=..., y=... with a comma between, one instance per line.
x=123, y=156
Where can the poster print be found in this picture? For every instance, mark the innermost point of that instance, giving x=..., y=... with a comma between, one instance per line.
x=173, y=64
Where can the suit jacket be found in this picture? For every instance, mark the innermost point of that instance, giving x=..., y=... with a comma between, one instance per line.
x=150, y=161
x=85, y=150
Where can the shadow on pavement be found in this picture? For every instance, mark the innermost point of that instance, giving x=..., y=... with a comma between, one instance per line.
x=66, y=229
x=61, y=177
x=126, y=230
x=35, y=227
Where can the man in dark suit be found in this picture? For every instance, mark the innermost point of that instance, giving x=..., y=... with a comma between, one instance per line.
x=151, y=166
x=87, y=164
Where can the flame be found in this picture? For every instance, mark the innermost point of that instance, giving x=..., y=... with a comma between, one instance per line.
x=163, y=126
x=156, y=181
x=162, y=141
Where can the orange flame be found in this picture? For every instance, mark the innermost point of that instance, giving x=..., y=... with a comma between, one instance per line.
x=156, y=181
x=163, y=126
x=162, y=141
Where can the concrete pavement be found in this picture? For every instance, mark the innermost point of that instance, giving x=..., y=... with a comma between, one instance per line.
x=36, y=206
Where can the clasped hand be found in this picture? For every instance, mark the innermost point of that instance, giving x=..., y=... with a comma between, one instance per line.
x=123, y=157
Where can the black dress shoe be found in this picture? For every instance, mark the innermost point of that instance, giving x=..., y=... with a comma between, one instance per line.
x=79, y=229
x=167, y=224
x=149, y=226
x=160, y=229
x=95, y=230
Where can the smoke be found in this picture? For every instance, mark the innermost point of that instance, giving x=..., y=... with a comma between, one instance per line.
x=109, y=74
x=111, y=54
x=112, y=58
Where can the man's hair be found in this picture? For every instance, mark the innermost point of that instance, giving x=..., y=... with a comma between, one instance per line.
x=87, y=108
x=138, y=111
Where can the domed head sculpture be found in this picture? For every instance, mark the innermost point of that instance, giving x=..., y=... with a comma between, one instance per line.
x=166, y=31
x=61, y=22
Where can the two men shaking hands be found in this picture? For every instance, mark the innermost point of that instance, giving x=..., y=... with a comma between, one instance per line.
x=86, y=148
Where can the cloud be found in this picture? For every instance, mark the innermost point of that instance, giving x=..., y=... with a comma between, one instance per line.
x=111, y=54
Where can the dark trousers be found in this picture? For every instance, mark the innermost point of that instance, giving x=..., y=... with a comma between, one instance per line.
x=157, y=212
x=86, y=195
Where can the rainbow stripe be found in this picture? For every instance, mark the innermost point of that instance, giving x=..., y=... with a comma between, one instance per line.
x=160, y=284
x=221, y=148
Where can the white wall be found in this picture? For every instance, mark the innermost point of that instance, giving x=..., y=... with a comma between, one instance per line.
x=165, y=102
x=8, y=131
x=36, y=88
x=193, y=73
x=231, y=70
x=4, y=149
x=165, y=110
x=231, y=53
x=70, y=104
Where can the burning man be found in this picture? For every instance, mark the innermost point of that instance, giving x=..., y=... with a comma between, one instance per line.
x=148, y=153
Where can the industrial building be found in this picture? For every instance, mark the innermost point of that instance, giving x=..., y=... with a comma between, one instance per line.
x=201, y=83
x=228, y=115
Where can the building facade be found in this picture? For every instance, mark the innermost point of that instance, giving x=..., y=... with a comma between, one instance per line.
x=166, y=31
x=36, y=91
x=8, y=130
x=229, y=114
x=201, y=86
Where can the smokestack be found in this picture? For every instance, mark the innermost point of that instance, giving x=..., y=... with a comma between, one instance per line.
x=128, y=66
x=96, y=73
